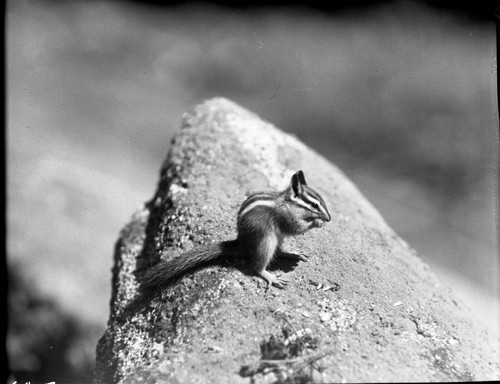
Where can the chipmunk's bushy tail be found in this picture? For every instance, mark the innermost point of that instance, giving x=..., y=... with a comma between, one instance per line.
x=168, y=271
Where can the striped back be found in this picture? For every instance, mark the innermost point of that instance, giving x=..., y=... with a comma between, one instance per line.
x=266, y=199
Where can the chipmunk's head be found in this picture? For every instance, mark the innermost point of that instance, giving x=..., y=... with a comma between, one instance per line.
x=307, y=199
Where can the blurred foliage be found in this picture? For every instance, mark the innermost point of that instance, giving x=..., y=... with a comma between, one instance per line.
x=45, y=342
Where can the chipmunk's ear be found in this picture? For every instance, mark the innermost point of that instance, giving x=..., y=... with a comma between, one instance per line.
x=296, y=183
x=301, y=177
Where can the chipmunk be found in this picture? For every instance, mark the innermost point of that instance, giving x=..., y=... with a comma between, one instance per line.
x=264, y=220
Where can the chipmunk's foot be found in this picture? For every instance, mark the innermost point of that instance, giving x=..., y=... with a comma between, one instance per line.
x=279, y=282
x=299, y=255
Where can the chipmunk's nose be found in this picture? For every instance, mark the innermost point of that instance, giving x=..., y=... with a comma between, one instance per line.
x=326, y=216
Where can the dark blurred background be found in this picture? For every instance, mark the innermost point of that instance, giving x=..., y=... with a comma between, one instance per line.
x=402, y=96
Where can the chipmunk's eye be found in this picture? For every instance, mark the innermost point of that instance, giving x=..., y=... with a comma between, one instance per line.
x=315, y=205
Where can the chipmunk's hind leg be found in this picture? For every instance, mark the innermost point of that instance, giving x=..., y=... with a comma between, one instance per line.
x=263, y=252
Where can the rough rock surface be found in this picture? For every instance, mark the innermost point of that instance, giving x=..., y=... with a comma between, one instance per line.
x=364, y=307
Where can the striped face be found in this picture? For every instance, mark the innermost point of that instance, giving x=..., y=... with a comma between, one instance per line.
x=306, y=197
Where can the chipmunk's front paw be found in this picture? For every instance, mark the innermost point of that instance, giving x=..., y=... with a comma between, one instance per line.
x=301, y=255
x=318, y=223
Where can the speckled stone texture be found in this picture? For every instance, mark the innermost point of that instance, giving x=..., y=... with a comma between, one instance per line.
x=363, y=308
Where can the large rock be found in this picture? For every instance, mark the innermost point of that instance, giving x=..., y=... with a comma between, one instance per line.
x=364, y=307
